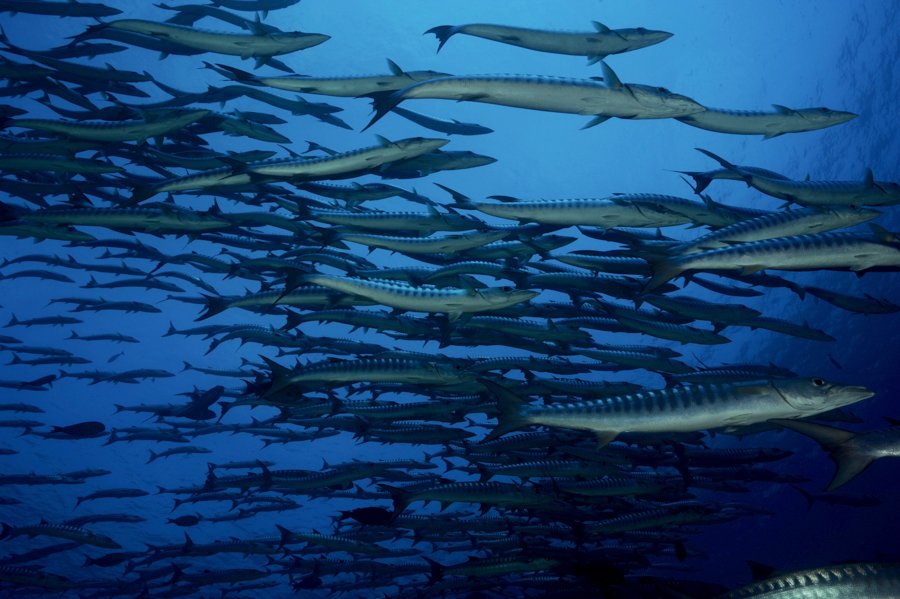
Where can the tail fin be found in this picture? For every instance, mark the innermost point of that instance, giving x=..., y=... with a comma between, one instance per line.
x=726, y=165
x=459, y=200
x=382, y=103
x=285, y=535
x=701, y=180
x=839, y=444
x=665, y=268
x=233, y=73
x=280, y=377
x=400, y=497
x=13, y=321
x=214, y=305
x=509, y=417
x=443, y=33
x=153, y=456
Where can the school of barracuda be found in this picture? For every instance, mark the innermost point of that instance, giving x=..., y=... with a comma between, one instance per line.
x=556, y=482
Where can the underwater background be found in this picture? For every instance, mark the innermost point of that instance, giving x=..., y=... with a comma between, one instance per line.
x=738, y=55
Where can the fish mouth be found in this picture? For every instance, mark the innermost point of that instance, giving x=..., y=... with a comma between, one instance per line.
x=853, y=394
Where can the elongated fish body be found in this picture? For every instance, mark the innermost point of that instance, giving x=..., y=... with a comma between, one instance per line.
x=112, y=131
x=309, y=168
x=768, y=124
x=595, y=45
x=829, y=193
x=867, y=192
x=60, y=531
x=255, y=5
x=59, y=9
x=397, y=221
x=615, y=211
x=851, y=452
x=683, y=408
x=702, y=310
x=348, y=162
x=800, y=252
x=59, y=164
x=425, y=299
x=347, y=87
x=784, y=223
x=236, y=44
x=862, y=580
x=861, y=305
x=371, y=369
x=453, y=127
x=571, y=96
x=445, y=244
x=147, y=219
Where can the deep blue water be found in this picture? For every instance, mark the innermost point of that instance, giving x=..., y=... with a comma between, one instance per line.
x=745, y=55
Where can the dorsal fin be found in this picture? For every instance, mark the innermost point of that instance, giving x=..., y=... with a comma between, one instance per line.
x=612, y=80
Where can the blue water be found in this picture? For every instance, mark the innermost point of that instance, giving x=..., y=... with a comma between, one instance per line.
x=745, y=55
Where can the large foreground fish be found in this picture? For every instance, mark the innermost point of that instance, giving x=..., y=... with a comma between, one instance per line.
x=680, y=408
x=847, y=581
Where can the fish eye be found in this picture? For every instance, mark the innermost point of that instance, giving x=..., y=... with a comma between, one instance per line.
x=663, y=90
x=641, y=29
x=818, y=382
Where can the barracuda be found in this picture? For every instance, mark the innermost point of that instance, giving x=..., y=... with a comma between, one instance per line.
x=59, y=9
x=145, y=219
x=259, y=46
x=867, y=192
x=635, y=359
x=112, y=131
x=424, y=223
x=804, y=221
x=58, y=164
x=869, y=581
x=425, y=299
x=595, y=45
x=487, y=494
x=573, y=96
x=860, y=305
x=801, y=252
x=679, y=409
x=338, y=373
x=446, y=244
x=60, y=531
x=337, y=166
x=621, y=265
x=697, y=309
x=349, y=87
x=626, y=210
x=675, y=332
x=452, y=127
x=548, y=331
x=768, y=124
x=308, y=296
